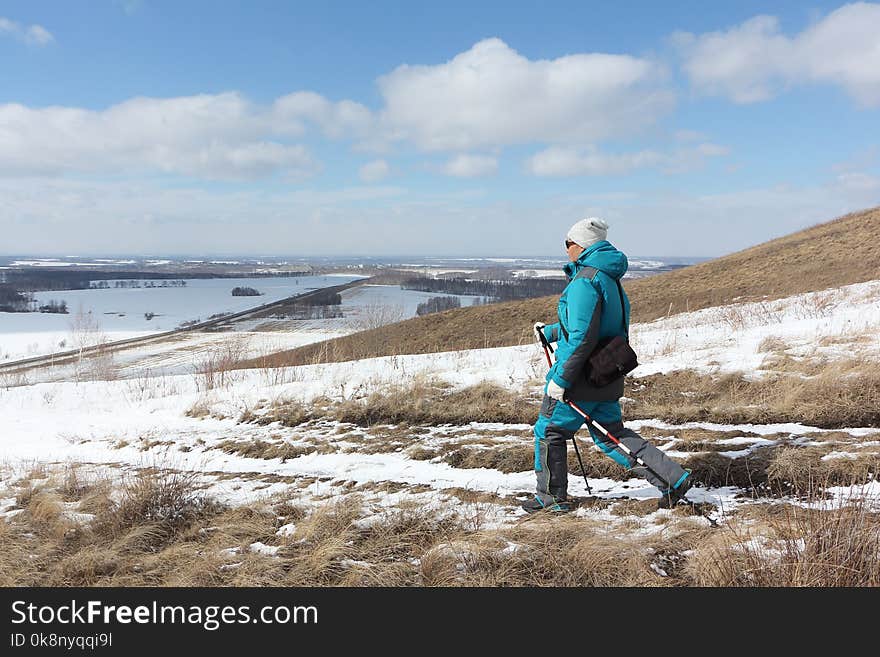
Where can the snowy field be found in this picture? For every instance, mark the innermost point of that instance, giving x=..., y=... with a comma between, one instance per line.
x=148, y=420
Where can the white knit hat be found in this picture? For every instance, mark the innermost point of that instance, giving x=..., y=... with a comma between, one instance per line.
x=588, y=231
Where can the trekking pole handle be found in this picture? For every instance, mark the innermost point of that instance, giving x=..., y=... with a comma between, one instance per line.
x=548, y=349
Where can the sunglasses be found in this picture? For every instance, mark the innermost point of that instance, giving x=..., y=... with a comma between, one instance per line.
x=568, y=244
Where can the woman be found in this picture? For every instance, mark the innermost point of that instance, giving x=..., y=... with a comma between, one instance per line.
x=592, y=306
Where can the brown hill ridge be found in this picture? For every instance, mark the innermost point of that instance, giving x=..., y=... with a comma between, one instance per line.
x=839, y=252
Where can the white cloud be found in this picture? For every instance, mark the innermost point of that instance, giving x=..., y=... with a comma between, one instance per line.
x=374, y=171
x=471, y=166
x=492, y=96
x=566, y=161
x=488, y=97
x=221, y=136
x=754, y=61
x=346, y=118
x=35, y=35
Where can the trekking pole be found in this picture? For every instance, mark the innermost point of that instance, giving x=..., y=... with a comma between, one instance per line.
x=548, y=349
x=626, y=449
x=583, y=470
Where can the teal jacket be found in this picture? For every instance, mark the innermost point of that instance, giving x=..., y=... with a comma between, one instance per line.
x=589, y=310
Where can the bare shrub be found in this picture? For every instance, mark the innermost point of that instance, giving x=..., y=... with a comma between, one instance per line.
x=218, y=363
x=156, y=504
x=102, y=365
x=88, y=339
x=376, y=315
x=815, y=305
x=14, y=379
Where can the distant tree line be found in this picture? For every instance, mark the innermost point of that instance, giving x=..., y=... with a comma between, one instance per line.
x=497, y=290
x=245, y=292
x=437, y=304
x=13, y=301
x=324, y=304
x=103, y=285
x=312, y=312
x=39, y=280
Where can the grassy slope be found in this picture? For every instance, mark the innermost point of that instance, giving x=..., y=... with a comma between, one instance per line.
x=836, y=253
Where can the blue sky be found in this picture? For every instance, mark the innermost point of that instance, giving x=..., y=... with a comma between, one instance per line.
x=695, y=129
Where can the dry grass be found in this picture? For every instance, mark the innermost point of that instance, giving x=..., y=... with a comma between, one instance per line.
x=444, y=331
x=163, y=532
x=199, y=408
x=510, y=458
x=422, y=402
x=747, y=472
x=804, y=470
x=794, y=546
x=259, y=449
x=288, y=412
x=545, y=552
x=418, y=402
x=432, y=403
x=771, y=343
x=834, y=395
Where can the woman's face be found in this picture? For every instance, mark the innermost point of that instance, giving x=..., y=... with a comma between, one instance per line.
x=573, y=250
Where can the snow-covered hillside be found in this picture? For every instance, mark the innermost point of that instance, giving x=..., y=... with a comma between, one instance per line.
x=141, y=421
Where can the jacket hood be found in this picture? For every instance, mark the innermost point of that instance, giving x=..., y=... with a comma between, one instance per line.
x=602, y=256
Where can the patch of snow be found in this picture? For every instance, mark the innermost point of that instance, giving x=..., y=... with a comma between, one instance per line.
x=286, y=530
x=262, y=548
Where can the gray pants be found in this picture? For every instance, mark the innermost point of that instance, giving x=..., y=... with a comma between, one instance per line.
x=557, y=424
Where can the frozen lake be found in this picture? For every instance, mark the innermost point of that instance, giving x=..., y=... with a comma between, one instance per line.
x=120, y=311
